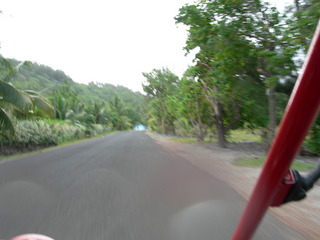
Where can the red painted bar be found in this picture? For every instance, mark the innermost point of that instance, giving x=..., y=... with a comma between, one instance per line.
x=300, y=113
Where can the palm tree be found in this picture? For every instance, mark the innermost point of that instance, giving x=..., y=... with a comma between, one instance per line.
x=76, y=113
x=98, y=111
x=15, y=102
x=40, y=105
x=11, y=100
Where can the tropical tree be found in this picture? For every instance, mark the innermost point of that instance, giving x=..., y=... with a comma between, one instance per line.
x=75, y=112
x=216, y=61
x=193, y=106
x=237, y=41
x=304, y=17
x=15, y=102
x=117, y=114
x=160, y=85
x=11, y=100
x=98, y=113
x=40, y=105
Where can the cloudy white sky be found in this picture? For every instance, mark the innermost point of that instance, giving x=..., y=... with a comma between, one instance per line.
x=98, y=40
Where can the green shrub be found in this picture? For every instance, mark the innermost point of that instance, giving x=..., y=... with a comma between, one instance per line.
x=32, y=132
x=183, y=128
x=51, y=132
x=66, y=132
x=96, y=129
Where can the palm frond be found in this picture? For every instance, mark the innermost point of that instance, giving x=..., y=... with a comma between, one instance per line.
x=12, y=95
x=7, y=65
x=32, y=93
x=70, y=114
x=12, y=71
x=6, y=123
x=41, y=103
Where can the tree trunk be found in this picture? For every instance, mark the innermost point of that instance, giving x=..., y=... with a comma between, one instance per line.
x=163, y=124
x=220, y=132
x=218, y=120
x=200, y=134
x=163, y=118
x=297, y=4
x=272, y=125
x=217, y=113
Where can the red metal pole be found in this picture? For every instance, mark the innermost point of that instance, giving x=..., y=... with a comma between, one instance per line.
x=301, y=110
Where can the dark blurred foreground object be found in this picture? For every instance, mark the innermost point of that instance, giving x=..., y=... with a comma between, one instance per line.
x=32, y=237
x=294, y=186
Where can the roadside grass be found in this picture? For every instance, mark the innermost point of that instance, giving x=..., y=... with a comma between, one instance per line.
x=84, y=139
x=191, y=139
x=183, y=139
x=250, y=162
x=57, y=146
x=241, y=135
x=256, y=162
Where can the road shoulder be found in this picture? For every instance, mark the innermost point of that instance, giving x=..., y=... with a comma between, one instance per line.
x=302, y=215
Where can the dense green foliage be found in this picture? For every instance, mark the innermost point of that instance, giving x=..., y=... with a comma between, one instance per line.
x=241, y=44
x=15, y=102
x=160, y=86
x=95, y=103
x=38, y=133
x=247, y=59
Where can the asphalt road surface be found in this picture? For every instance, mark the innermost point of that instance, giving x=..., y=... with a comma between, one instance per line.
x=120, y=187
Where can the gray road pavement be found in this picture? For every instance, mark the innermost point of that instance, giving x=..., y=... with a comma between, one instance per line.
x=120, y=187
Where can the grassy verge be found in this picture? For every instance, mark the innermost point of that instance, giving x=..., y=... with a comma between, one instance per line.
x=57, y=146
x=240, y=135
x=259, y=161
x=183, y=139
x=191, y=139
x=85, y=139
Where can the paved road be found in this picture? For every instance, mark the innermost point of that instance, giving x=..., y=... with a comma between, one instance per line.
x=120, y=187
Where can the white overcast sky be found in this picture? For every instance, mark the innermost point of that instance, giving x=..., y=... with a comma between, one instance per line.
x=98, y=40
